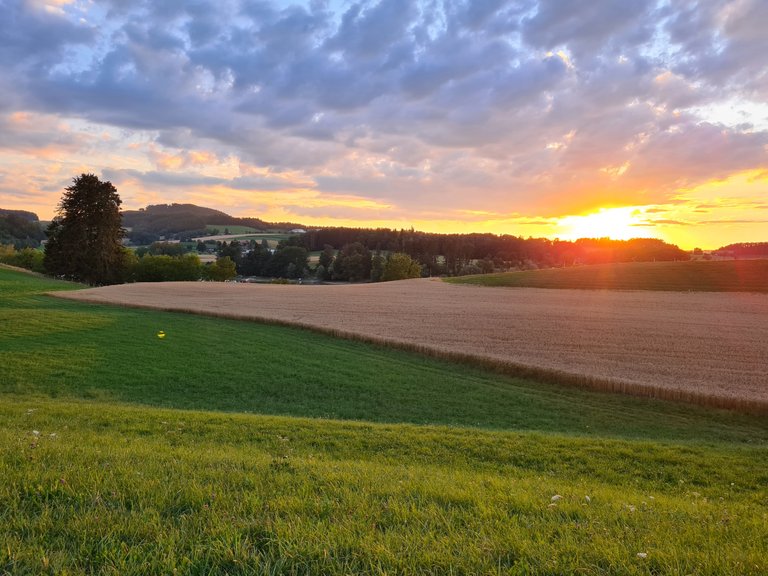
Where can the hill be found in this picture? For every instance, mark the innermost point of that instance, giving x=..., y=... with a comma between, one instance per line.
x=20, y=228
x=22, y=214
x=697, y=276
x=744, y=250
x=170, y=220
x=185, y=221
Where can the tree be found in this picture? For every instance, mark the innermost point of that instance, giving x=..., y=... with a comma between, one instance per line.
x=377, y=267
x=164, y=268
x=233, y=250
x=222, y=270
x=255, y=262
x=325, y=262
x=327, y=256
x=28, y=258
x=400, y=266
x=85, y=239
x=167, y=249
x=288, y=261
x=352, y=263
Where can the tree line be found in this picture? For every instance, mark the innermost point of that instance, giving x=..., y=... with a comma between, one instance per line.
x=85, y=243
x=460, y=254
x=745, y=250
x=352, y=263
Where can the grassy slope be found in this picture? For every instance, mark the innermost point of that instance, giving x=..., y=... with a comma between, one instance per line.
x=233, y=228
x=713, y=276
x=141, y=489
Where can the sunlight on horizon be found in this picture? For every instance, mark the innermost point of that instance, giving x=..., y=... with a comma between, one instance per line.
x=615, y=223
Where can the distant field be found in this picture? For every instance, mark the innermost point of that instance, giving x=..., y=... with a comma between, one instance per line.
x=702, y=347
x=697, y=276
x=117, y=457
x=271, y=238
x=233, y=228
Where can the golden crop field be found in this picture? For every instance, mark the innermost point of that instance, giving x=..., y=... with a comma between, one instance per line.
x=708, y=348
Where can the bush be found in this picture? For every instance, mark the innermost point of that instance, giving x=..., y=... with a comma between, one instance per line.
x=400, y=266
x=167, y=268
x=28, y=258
x=220, y=271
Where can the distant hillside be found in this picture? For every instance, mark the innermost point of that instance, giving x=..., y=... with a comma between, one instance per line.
x=745, y=250
x=20, y=228
x=23, y=214
x=184, y=221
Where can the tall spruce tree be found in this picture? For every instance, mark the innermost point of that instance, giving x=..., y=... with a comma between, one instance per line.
x=85, y=239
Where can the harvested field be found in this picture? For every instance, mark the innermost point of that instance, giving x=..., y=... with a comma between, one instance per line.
x=706, y=348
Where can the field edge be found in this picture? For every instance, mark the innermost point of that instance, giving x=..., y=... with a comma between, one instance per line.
x=508, y=368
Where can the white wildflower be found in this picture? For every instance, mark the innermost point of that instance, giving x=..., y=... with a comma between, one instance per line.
x=642, y=554
x=555, y=498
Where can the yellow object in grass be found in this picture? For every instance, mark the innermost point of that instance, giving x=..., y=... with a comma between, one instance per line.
x=161, y=334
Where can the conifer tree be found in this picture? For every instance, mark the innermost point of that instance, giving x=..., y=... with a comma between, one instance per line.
x=85, y=239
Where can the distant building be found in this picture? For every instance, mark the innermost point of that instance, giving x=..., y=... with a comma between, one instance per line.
x=298, y=231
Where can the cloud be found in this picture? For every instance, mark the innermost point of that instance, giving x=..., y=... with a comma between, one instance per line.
x=734, y=221
x=538, y=107
x=588, y=28
x=667, y=221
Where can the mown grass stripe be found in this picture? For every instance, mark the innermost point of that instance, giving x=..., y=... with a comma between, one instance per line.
x=694, y=276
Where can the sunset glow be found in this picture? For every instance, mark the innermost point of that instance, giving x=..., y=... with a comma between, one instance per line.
x=614, y=223
x=525, y=118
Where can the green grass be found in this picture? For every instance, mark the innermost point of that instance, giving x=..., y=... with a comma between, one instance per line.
x=233, y=229
x=246, y=234
x=698, y=276
x=122, y=490
x=124, y=454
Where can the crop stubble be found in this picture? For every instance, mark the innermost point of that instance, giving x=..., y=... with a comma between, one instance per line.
x=708, y=348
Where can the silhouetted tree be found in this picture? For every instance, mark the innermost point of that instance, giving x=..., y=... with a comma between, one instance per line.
x=85, y=239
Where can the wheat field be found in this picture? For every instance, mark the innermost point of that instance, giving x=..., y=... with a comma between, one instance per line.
x=707, y=348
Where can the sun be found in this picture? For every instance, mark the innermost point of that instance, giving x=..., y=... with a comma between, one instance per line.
x=615, y=223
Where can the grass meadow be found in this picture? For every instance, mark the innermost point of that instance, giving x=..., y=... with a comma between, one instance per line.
x=231, y=447
x=233, y=228
x=696, y=276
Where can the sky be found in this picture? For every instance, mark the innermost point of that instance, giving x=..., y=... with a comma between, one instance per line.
x=543, y=118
